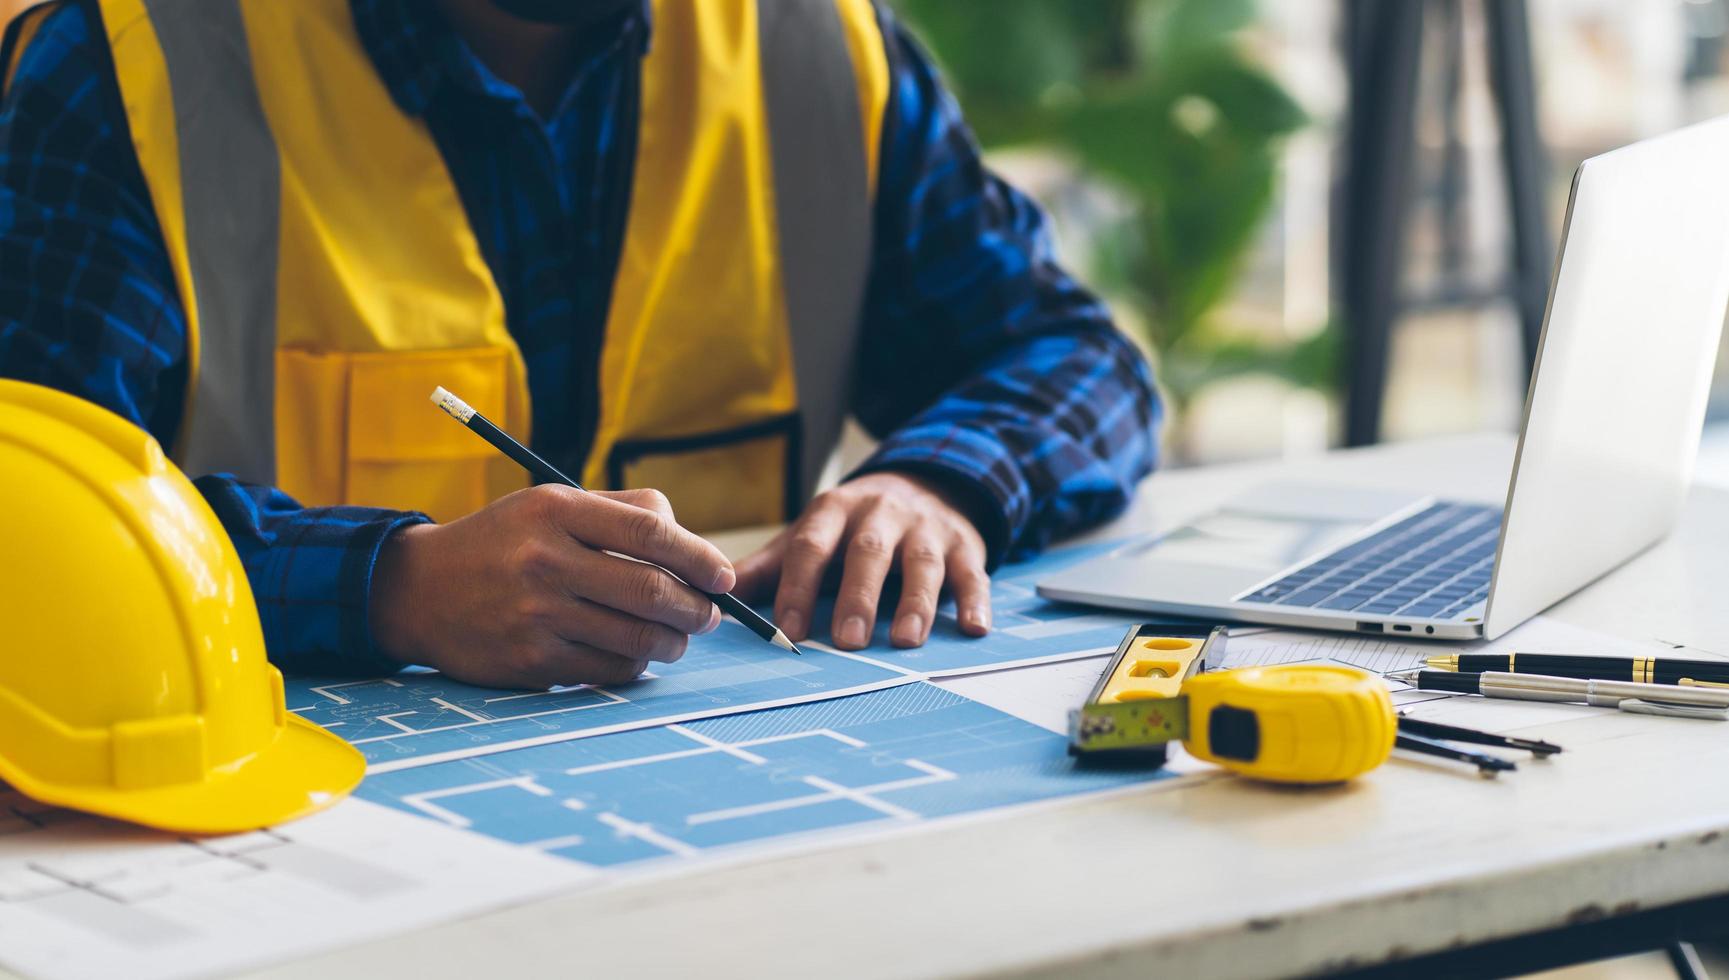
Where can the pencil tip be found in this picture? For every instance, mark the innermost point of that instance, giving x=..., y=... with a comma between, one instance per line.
x=779, y=639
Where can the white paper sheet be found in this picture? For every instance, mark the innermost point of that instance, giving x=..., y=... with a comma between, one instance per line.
x=85, y=897
x=1486, y=714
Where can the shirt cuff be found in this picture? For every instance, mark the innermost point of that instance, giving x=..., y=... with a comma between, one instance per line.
x=317, y=600
x=973, y=467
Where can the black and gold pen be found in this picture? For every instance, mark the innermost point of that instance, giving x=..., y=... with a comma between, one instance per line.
x=478, y=424
x=1642, y=670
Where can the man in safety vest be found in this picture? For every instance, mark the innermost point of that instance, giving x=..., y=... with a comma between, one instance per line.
x=669, y=244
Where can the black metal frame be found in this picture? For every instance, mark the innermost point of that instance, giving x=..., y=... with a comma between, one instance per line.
x=1591, y=933
x=1383, y=45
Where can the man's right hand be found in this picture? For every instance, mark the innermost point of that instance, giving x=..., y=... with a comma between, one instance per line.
x=521, y=594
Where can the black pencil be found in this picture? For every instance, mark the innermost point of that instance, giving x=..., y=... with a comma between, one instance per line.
x=545, y=472
x=1453, y=733
x=1486, y=764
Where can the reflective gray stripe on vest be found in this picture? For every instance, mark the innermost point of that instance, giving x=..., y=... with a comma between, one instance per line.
x=230, y=185
x=822, y=207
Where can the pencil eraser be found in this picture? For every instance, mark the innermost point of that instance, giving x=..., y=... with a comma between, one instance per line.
x=456, y=407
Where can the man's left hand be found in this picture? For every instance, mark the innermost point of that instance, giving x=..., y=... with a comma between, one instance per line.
x=879, y=522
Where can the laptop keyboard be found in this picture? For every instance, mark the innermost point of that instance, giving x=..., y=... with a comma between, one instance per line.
x=1434, y=564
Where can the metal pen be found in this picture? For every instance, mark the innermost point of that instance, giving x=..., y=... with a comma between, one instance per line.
x=1655, y=699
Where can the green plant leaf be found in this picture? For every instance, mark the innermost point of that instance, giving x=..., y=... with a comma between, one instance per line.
x=1158, y=99
x=1174, y=28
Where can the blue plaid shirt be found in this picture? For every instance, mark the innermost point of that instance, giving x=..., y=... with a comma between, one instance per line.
x=983, y=364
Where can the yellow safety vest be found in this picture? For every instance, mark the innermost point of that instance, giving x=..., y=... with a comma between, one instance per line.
x=331, y=279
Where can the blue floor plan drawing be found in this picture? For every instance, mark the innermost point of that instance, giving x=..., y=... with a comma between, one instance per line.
x=417, y=716
x=881, y=759
x=1025, y=628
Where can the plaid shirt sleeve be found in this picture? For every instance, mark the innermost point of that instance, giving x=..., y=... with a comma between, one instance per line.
x=88, y=305
x=984, y=365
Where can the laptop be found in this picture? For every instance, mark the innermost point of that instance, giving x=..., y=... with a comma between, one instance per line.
x=1605, y=455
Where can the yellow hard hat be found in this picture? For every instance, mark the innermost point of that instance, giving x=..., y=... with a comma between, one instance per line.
x=133, y=681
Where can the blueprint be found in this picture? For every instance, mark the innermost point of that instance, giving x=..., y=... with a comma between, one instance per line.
x=420, y=716
x=1025, y=628
x=871, y=761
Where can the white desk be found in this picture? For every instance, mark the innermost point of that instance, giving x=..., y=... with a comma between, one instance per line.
x=1217, y=877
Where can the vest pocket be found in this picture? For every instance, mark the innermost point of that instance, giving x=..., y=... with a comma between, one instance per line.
x=359, y=428
x=741, y=477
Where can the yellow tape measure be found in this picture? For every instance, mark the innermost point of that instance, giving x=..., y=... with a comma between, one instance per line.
x=1294, y=723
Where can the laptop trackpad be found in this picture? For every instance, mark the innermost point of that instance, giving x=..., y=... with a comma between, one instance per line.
x=1251, y=542
x=1268, y=529
x=1331, y=504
